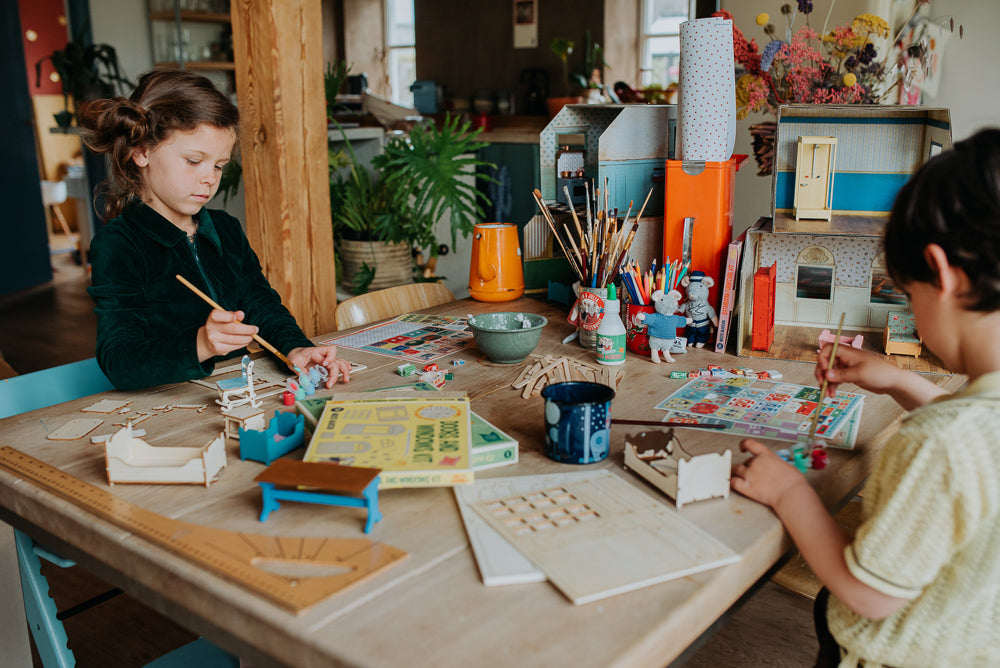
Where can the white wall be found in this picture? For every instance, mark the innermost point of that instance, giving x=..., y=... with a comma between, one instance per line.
x=970, y=78
x=125, y=26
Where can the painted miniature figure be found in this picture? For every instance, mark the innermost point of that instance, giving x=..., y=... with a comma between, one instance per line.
x=662, y=325
x=697, y=308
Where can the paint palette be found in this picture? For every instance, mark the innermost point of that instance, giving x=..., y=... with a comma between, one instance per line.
x=414, y=337
x=765, y=409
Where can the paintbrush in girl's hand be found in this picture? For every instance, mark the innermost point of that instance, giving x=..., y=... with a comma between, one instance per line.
x=257, y=338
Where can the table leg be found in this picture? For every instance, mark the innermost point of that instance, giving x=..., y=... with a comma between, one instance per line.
x=13, y=625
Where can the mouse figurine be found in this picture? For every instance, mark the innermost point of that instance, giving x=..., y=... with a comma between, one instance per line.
x=662, y=325
x=700, y=313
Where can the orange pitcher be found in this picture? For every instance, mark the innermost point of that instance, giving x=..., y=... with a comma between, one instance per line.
x=496, y=274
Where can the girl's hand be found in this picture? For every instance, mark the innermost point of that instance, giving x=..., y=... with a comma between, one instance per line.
x=765, y=477
x=855, y=366
x=223, y=333
x=325, y=356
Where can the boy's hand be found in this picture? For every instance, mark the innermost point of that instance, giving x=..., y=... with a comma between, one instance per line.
x=855, y=366
x=222, y=333
x=765, y=477
x=325, y=356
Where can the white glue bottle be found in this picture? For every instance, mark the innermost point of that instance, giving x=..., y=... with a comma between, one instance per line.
x=611, y=331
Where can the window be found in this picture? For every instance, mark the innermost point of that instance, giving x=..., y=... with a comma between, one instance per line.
x=814, y=274
x=661, y=43
x=401, y=57
x=883, y=291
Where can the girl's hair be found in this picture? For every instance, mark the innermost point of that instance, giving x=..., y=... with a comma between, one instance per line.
x=164, y=101
x=953, y=201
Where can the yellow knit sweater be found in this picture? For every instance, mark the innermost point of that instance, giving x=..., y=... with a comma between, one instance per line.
x=931, y=533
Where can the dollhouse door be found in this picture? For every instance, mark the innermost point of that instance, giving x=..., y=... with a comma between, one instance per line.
x=813, y=177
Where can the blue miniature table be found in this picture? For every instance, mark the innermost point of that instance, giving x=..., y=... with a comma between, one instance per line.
x=333, y=485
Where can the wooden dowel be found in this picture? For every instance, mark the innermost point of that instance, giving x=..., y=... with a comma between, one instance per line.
x=822, y=391
x=256, y=337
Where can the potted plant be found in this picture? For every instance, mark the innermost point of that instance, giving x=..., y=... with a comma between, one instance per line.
x=563, y=48
x=380, y=220
x=86, y=72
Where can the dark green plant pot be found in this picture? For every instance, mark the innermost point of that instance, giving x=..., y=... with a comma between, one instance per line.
x=64, y=118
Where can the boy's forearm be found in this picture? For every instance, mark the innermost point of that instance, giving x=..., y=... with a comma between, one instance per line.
x=914, y=390
x=821, y=541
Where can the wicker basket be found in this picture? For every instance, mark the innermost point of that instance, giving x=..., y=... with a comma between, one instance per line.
x=393, y=263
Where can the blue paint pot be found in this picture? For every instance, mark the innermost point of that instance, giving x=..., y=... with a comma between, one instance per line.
x=577, y=422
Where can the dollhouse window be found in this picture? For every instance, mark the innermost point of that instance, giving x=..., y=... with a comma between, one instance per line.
x=883, y=291
x=814, y=274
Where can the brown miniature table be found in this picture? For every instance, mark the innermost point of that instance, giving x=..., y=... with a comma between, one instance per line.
x=431, y=609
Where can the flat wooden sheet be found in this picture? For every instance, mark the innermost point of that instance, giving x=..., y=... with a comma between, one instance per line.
x=594, y=535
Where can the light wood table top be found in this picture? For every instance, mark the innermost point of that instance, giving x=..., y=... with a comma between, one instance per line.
x=432, y=608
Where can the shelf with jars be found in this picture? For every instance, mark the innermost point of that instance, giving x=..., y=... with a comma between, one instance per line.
x=192, y=34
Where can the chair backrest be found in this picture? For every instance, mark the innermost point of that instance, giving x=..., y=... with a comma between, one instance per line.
x=391, y=302
x=49, y=387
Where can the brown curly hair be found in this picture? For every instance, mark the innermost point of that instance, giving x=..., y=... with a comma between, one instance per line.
x=164, y=101
x=953, y=201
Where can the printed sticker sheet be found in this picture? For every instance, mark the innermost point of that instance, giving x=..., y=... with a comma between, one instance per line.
x=765, y=408
x=413, y=337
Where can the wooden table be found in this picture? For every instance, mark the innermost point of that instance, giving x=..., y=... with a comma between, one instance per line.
x=431, y=609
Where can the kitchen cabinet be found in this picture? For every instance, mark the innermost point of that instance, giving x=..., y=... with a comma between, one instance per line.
x=192, y=34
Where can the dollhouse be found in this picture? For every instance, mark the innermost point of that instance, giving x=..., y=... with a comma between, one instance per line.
x=823, y=268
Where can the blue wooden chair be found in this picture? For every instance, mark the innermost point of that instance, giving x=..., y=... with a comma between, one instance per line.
x=39, y=390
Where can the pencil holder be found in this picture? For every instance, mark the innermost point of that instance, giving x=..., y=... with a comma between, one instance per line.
x=636, y=338
x=591, y=312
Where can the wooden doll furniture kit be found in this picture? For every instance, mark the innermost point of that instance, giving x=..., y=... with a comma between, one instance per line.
x=328, y=484
x=658, y=457
x=900, y=335
x=235, y=392
x=132, y=460
x=285, y=433
x=39, y=390
x=242, y=418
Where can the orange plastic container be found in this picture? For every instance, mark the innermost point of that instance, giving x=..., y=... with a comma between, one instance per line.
x=707, y=196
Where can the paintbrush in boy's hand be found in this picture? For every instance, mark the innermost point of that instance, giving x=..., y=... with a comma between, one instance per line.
x=822, y=391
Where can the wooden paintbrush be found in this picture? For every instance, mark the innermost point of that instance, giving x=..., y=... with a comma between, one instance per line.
x=537, y=194
x=257, y=338
x=822, y=391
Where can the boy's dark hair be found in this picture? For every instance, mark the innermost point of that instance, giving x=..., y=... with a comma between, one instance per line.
x=953, y=201
x=164, y=101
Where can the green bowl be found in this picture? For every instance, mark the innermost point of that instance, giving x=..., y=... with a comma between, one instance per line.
x=504, y=338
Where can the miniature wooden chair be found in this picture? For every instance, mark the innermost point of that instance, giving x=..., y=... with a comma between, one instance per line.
x=900, y=337
x=235, y=392
x=40, y=390
x=391, y=302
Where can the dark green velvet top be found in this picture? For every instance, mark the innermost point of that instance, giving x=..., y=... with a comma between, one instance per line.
x=147, y=320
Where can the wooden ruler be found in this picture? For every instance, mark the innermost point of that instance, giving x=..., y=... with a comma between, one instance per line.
x=271, y=566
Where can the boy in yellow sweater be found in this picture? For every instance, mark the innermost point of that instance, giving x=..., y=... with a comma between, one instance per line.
x=919, y=584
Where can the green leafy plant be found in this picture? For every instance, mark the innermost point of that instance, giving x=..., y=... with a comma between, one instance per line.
x=563, y=48
x=419, y=179
x=86, y=72
x=593, y=59
x=333, y=80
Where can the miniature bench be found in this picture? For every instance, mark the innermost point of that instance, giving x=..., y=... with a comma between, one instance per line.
x=285, y=433
x=826, y=337
x=900, y=336
x=333, y=485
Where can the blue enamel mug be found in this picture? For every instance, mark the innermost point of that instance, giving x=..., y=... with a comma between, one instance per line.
x=577, y=421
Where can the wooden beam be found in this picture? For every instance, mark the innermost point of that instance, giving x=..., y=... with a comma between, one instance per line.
x=279, y=83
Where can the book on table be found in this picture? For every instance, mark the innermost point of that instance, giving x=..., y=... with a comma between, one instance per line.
x=419, y=439
x=490, y=445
